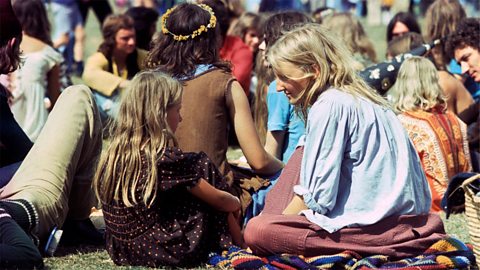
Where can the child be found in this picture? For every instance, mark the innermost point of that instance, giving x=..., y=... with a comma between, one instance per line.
x=161, y=206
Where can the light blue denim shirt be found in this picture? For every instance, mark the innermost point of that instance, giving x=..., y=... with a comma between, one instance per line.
x=359, y=165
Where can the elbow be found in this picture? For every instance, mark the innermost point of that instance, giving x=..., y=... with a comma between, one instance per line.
x=268, y=164
x=259, y=165
x=87, y=77
x=229, y=203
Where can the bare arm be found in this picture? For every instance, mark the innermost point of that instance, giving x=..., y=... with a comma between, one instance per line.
x=257, y=157
x=274, y=142
x=61, y=40
x=464, y=98
x=458, y=97
x=218, y=199
x=53, y=87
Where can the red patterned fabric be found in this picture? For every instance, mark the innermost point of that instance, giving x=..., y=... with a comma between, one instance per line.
x=440, y=139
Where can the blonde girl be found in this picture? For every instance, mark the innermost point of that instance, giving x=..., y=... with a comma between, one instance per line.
x=439, y=136
x=358, y=165
x=161, y=206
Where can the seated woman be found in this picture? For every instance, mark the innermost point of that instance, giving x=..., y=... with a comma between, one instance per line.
x=233, y=48
x=39, y=75
x=458, y=98
x=161, y=206
x=439, y=136
x=213, y=100
x=357, y=184
x=109, y=70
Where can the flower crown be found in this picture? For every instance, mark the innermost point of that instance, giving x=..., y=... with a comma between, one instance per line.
x=203, y=28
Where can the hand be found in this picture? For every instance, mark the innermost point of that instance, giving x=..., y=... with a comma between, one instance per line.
x=241, y=162
x=295, y=206
x=124, y=84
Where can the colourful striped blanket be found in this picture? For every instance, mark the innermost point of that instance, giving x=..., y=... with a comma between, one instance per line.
x=448, y=253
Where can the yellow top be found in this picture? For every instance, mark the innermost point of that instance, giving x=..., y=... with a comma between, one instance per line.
x=97, y=76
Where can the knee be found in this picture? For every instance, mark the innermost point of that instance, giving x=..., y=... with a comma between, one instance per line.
x=256, y=231
x=79, y=94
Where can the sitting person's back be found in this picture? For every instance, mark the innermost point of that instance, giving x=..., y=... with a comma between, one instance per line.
x=358, y=177
x=161, y=206
x=38, y=77
x=439, y=136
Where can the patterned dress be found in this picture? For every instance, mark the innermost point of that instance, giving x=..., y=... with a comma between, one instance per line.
x=441, y=142
x=178, y=229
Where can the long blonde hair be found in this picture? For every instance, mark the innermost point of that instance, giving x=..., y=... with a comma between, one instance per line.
x=351, y=31
x=312, y=47
x=260, y=111
x=417, y=86
x=141, y=125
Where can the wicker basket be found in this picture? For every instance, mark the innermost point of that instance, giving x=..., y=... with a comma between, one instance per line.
x=472, y=213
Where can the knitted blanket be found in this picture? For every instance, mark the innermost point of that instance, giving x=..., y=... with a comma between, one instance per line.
x=448, y=253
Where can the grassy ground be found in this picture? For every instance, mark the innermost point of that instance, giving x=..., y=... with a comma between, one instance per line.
x=87, y=257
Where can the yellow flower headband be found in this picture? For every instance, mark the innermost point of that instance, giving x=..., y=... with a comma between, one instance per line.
x=200, y=30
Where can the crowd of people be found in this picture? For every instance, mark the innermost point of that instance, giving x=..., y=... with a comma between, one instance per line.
x=331, y=162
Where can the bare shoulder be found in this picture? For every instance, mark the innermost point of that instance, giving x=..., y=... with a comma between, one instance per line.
x=31, y=45
x=448, y=82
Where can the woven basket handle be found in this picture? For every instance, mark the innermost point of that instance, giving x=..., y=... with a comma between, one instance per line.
x=476, y=199
x=470, y=180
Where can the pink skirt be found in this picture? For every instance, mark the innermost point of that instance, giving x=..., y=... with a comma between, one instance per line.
x=274, y=233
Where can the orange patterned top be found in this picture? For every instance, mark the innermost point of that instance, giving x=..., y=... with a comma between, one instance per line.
x=440, y=139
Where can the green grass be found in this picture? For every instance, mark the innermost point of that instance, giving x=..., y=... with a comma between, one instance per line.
x=87, y=257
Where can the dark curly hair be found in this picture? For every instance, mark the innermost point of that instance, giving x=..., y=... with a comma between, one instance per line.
x=180, y=58
x=10, y=56
x=466, y=34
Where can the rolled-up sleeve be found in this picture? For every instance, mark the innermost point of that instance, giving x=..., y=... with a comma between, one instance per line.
x=325, y=142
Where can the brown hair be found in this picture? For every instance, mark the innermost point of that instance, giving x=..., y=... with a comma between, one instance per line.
x=9, y=28
x=33, y=18
x=260, y=111
x=352, y=33
x=282, y=22
x=180, y=58
x=404, y=43
x=246, y=21
x=112, y=24
x=441, y=20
